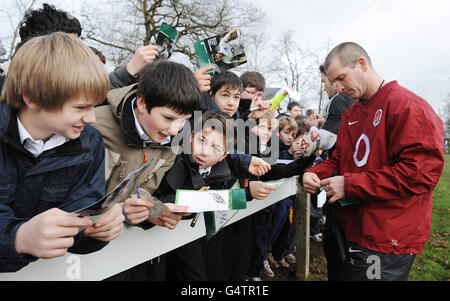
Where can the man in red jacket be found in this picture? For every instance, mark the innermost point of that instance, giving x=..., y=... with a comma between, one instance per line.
x=389, y=157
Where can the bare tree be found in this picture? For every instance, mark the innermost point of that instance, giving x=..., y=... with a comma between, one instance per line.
x=298, y=68
x=320, y=58
x=126, y=25
x=259, y=49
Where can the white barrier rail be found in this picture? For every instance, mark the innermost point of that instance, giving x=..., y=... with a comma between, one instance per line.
x=134, y=246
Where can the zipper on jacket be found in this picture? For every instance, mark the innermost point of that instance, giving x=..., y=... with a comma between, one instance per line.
x=145, y=157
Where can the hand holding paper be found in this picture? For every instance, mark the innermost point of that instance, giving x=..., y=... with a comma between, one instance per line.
x=149, y=208
x=311, y=182
x=335, y=188
x=109, y=226
x=136, y=210
x=48, y=234
x=170, y=219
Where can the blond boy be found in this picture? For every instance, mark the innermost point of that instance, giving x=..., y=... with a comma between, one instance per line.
x=52, y=160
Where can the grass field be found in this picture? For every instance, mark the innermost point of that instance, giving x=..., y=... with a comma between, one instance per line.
x=432, y=264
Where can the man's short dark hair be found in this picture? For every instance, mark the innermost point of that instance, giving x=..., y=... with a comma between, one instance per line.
x=253, y=79
x=46, y=21
x=169, y=84
x=348, y=53
x=226, y=78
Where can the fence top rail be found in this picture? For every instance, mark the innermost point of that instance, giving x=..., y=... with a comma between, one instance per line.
x=134, y=246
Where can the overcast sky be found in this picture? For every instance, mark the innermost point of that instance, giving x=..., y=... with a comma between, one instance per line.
x=408, y=40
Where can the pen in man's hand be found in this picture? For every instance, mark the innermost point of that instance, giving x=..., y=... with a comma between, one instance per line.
x=195, y=219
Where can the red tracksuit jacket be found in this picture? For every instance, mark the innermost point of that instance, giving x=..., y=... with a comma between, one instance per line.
x=390, y=150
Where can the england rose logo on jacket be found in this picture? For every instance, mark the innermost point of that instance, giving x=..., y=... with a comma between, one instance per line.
x=377, y=118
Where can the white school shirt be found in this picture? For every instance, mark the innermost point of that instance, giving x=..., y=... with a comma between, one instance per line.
x=206, y=170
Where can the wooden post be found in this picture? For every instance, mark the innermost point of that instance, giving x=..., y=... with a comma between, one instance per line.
x=302, y=233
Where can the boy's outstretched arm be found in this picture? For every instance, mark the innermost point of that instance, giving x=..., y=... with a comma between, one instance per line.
x=136, y=213
x=259, y=190
x=248, y=166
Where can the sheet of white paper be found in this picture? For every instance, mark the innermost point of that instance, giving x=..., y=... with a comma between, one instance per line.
x=201, y=201
x=321, y=198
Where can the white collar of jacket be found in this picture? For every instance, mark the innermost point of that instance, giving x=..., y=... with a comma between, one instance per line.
x=202, y=171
